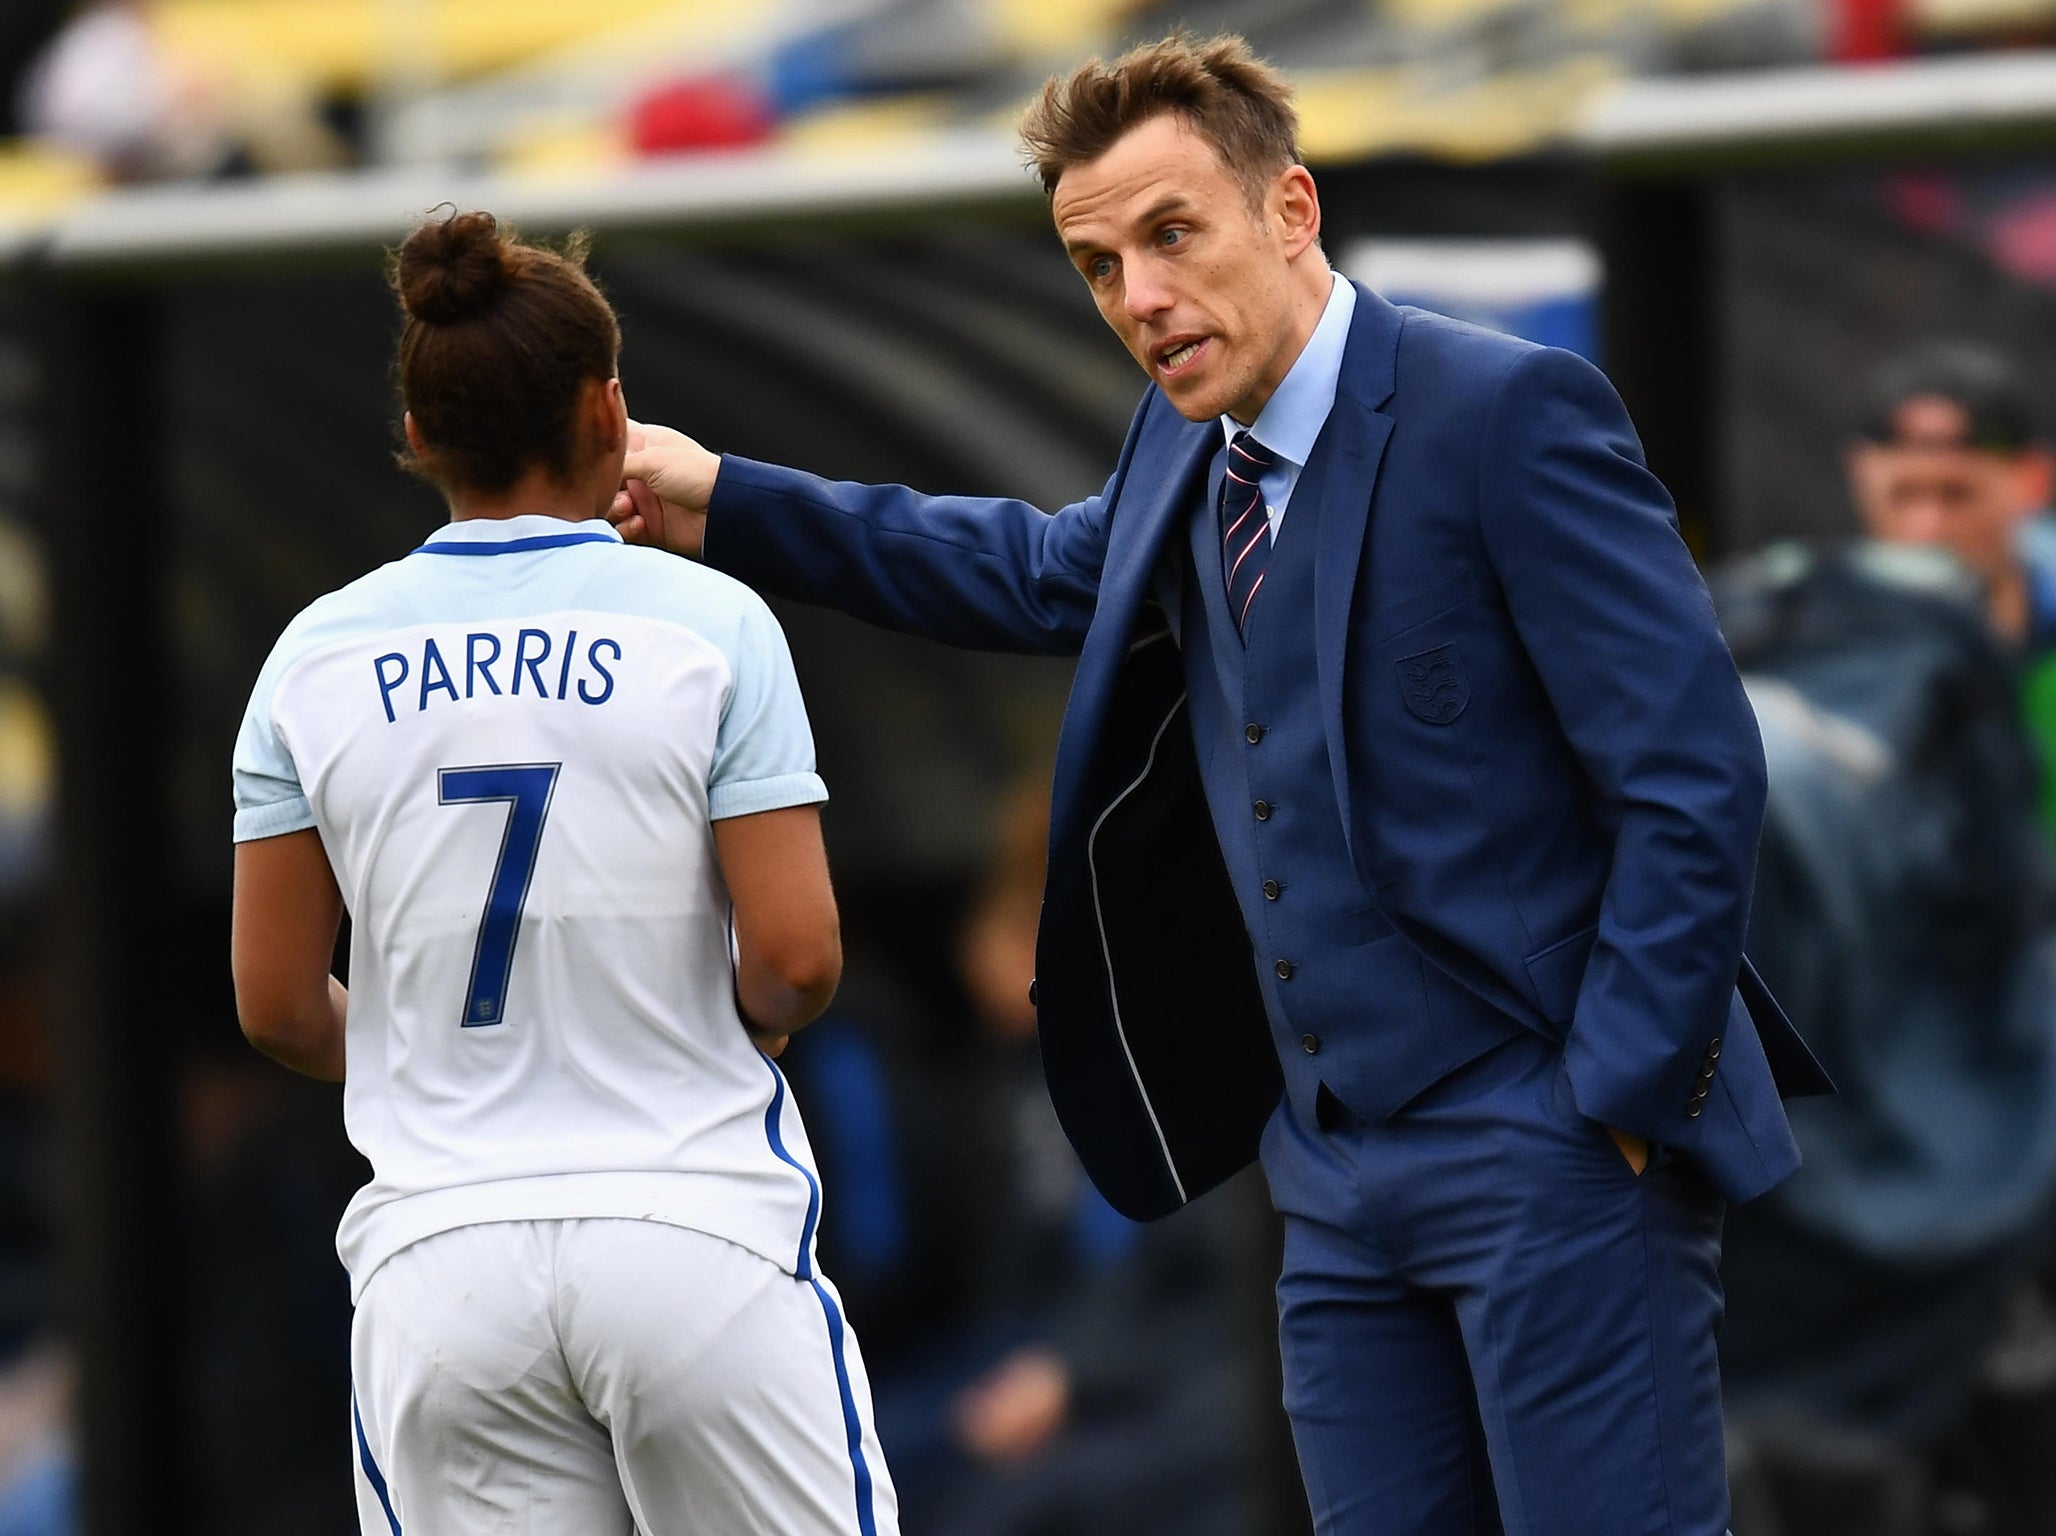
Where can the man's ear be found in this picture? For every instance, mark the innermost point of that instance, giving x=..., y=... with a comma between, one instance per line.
x=1293, y=208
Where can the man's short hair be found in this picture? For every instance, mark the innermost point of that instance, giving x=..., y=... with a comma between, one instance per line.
x=1998, y=412
x=1229, y=96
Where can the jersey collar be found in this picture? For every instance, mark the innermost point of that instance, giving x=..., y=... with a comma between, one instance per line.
x=514, y=535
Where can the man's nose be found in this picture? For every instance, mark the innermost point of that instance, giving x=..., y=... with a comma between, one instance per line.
x=1145, y=296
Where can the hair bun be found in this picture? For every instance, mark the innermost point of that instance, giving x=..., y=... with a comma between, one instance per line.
x=453, y=269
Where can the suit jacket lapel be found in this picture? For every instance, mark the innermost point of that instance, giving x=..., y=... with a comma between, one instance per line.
x=1354, y=445
x=1160, y=489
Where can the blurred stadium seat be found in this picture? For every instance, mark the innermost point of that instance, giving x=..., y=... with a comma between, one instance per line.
x=536, y=83
x=350, y=44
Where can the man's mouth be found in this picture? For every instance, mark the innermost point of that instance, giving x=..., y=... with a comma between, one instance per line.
x=1176, y=355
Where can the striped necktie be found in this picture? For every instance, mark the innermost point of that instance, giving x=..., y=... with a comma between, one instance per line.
x=1245, y=525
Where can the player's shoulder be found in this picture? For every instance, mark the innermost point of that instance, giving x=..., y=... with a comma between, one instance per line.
x=373, y=602
x=675, y=575
x=363, y=604
x=653, y=584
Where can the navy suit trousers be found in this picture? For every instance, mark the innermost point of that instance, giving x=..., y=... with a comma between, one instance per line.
x=1490, y=1324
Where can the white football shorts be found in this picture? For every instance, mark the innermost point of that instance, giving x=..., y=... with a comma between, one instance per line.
x=608, y=1378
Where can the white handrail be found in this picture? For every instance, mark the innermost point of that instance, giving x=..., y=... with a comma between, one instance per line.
x=300, y=213
x=1704, y=113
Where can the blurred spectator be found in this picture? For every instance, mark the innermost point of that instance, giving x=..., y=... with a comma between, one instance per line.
x=1069, y=1373
x=38, y=1466
x=38, y=1462
x=109, y=89
x=874, y=1098
x=39, y=1476
x=38, y=1455
x=1901, y=916
x=26, y=27
x=1949, y=454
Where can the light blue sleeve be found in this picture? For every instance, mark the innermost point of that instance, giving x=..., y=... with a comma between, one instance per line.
x=269, y=799
x=764, y=753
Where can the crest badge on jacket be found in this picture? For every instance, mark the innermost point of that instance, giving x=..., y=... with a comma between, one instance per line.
x=1434, y=685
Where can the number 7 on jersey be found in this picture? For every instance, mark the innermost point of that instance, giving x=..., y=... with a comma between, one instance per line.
x=526, y=789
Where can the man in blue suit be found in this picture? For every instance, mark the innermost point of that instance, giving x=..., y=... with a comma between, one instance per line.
x=1404, y=824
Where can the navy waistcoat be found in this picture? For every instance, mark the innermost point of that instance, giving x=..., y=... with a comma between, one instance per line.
x=1351, y=1004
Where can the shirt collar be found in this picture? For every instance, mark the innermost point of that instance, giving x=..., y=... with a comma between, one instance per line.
x=529, y=525
x=1293, y=417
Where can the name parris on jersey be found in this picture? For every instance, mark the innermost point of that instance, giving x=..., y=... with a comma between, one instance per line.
x=551, y=667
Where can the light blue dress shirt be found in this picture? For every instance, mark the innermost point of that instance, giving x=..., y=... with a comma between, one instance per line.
x=1292, y=418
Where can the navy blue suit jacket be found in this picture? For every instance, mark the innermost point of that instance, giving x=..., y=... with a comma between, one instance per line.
x=1564, y=818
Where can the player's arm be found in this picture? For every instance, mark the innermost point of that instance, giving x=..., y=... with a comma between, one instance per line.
x=788, y=936
x=282, y=942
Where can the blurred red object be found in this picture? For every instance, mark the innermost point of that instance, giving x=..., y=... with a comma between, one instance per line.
x=1927, y=202
x=710, y=112
x=1863, y=30
x=2022, y=238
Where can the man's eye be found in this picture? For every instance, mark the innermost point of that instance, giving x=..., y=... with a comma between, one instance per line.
x=1173, y=236
x=1100, y=267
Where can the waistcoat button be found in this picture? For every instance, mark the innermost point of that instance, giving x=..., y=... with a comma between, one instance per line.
x=1263, y=810
x=1252, y=734
x=1310, y=1044
x=1284, y=969
x=1271, y=890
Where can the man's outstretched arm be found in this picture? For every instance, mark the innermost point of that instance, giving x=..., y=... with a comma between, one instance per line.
x=991, y=573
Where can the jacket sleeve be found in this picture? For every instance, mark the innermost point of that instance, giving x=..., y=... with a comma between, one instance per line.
x=987, y=573
x=1619, y=627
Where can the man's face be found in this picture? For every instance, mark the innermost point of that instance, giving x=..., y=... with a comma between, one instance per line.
x=1926, y=487
x=1197, y=284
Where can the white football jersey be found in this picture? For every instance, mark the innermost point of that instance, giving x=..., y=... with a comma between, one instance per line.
x=513, y=743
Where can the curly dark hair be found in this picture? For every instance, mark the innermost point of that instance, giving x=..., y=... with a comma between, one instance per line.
x=501, y=338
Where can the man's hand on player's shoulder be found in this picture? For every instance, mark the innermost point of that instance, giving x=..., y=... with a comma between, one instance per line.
x=668, y=480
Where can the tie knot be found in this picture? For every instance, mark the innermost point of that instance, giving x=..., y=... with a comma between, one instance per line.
x=1249, y=448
